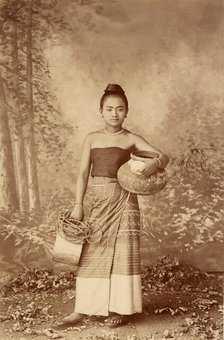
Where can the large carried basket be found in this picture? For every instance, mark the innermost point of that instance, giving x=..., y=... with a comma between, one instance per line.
x=136, y=183
x=70, y=236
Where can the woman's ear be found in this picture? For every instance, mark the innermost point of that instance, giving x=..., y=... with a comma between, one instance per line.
x=126, y=114
x=101, y=112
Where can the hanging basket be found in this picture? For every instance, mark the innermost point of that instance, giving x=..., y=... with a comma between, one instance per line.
x=136, y=183
x=70, y=236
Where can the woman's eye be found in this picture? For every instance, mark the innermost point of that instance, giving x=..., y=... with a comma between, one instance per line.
x=121, y=110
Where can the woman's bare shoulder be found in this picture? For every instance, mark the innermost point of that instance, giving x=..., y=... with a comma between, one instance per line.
x=92, y=135
x=132, y=135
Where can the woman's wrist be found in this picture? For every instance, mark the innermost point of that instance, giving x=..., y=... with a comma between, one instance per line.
x=78, y=203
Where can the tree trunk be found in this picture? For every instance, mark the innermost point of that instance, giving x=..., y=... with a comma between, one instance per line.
x=8, y=194
x=22, y=177
x=31, y=149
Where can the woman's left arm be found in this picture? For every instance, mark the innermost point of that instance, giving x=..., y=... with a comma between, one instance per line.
x=161, y=161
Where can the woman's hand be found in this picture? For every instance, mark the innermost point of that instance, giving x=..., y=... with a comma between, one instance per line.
x=78, y=212
x=151, y=167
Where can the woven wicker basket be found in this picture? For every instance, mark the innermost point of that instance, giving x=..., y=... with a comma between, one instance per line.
x=65, y=251
x=137, y=183
x=70, y=236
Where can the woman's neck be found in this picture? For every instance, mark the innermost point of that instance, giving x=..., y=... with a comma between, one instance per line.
x=113, y=130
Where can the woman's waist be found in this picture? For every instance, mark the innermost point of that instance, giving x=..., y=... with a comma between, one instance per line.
x=105, y=188
x=102, y=180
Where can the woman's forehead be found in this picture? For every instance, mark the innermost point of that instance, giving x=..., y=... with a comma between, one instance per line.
x=114, y=100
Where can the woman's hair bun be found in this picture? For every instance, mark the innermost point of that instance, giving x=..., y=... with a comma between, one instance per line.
x=114, y=88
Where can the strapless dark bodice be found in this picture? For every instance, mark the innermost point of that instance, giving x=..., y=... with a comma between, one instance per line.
x=107, y=161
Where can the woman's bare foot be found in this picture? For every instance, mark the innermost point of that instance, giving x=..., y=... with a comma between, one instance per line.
x=116, y=320
x=71, y=319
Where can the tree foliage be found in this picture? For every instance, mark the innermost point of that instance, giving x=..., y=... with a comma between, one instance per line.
x=189, y=212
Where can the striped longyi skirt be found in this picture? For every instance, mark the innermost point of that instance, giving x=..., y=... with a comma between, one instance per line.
x=109, y=275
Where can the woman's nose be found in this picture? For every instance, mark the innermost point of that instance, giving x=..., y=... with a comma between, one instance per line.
x=114, y=113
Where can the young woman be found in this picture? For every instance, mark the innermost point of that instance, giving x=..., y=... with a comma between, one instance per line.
x=109, y=278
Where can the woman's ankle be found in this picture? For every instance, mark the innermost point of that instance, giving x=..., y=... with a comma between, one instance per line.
x=74, y=315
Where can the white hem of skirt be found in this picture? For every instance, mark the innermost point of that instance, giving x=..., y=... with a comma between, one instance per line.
x=98, y=296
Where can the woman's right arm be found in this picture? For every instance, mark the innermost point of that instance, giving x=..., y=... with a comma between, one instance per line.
x=82, y=180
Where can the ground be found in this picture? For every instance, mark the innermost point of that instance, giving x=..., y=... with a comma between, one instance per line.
x=180, y=302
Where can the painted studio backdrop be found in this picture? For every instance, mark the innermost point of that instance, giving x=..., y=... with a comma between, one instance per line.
x=56, y=58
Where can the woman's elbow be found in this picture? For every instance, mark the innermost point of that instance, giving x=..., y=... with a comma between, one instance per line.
x=165, y=160
x=83, y=175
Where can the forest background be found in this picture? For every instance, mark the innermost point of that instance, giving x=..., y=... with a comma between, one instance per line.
x=56, y=58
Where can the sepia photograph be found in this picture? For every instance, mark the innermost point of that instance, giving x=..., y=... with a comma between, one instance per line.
x=111, y=169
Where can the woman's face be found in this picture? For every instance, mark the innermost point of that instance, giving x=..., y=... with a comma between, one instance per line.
x=114, y=110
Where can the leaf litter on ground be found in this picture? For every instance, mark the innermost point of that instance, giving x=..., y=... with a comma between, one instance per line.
x=167, y=276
